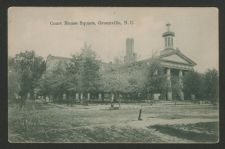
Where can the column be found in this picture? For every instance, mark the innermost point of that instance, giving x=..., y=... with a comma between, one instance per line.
x=181, y=84
x=64, y=97
x=169, y=92
x=77, y=97
x=112, y=97
x=99, y=96
x=88, y=96
x=156, y=72
x=112, y=100
x=81, y=98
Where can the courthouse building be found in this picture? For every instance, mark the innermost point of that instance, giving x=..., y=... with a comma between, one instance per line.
x=173, y=61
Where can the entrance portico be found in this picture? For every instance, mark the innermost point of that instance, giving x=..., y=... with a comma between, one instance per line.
x=171, y=72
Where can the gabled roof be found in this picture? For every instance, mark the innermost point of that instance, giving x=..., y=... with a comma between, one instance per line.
x=178, y=53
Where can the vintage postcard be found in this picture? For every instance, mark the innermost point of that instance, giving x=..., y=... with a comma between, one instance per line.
x=113, y=75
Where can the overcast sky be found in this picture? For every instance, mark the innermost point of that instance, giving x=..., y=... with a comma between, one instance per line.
x=196, y=32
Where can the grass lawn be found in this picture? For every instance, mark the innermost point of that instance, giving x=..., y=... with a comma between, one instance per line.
x=161, y=123
x=201, y=132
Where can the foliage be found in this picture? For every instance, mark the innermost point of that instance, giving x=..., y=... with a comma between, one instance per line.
x=88, y=70
x=156, y=80
x=119, y=81
x=113, y=82
x=203, y=86
x=29, y=68
x=13, y=81
x=211, y=85
x=133, y=85
x=80, y=74
x=176, y=87
x=192, y=82
x=54, y=83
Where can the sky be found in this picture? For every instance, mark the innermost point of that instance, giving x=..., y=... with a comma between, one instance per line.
x=196, y=31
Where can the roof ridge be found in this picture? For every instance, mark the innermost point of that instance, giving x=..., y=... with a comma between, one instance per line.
x=61, y=57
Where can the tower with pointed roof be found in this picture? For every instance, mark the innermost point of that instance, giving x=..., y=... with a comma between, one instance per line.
x=168, y=40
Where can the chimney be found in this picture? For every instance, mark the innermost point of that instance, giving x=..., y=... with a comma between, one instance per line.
x=129, y=46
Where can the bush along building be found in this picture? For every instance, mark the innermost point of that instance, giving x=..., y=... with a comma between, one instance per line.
x=158, y=77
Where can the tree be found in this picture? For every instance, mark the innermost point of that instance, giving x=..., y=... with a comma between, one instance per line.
x=133, y=87
x=211, y=85
x=13, y=81
x=156, y=79
x=80, y=74
x=30, y=67
x=83, y=71
x=55, y=83
x=88, y=70
x=73, y=71
x=192, y=83
x=111, y=83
